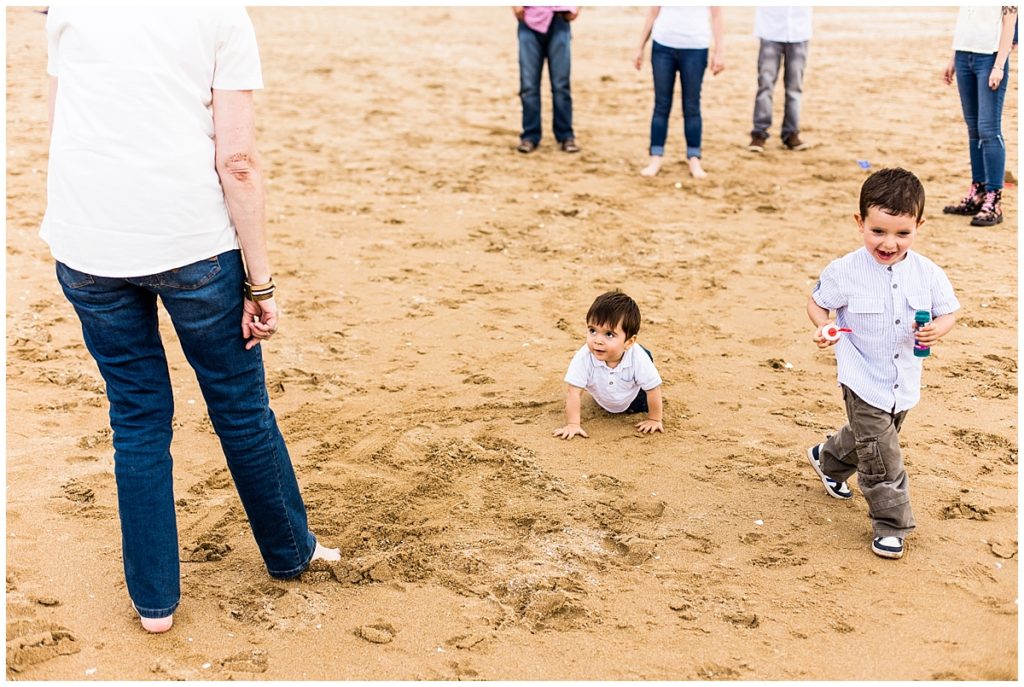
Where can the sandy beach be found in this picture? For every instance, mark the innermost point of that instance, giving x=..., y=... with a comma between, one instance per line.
x=434, y=285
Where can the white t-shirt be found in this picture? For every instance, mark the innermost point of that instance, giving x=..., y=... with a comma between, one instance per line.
x=977, y=29
x=683, y=27
x=783, y=24
x=132, y=189
x=613, y=388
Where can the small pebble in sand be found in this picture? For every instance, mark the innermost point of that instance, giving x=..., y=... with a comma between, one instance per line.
x=679, y=184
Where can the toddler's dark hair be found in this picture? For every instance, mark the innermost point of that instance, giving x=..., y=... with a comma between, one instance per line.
x=614, y=308
x=893, y=190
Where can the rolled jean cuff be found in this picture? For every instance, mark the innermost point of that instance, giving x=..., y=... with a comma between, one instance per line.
x=692, y=152
x=658, y=151
x=156, y=612
x=287, y=574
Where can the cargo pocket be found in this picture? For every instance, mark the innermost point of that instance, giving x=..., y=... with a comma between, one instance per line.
x=870, y=466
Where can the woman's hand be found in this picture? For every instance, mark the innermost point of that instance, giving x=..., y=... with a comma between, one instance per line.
x=995, y=77
x=950, y=72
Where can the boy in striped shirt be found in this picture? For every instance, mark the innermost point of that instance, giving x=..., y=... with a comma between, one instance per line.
x=875, y=291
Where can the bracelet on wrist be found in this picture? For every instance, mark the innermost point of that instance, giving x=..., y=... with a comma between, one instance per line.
x=997, y=69
x=259, y=292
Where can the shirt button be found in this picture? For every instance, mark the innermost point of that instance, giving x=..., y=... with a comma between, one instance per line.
x=897, y=321
x=896, y=356
x=894, y=286
x=895, y=386
x=610, y=382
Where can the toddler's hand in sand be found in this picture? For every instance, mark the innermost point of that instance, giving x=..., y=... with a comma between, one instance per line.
x=650, y=426
x=822, y=342
x=569, y=431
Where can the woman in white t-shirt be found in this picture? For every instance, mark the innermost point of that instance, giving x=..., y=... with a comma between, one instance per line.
x=681, y=41
x=982, y=40
x=155, y=194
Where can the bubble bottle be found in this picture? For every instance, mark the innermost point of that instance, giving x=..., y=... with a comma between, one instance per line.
x=921, y=318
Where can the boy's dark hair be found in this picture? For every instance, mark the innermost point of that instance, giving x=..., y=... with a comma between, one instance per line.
x=895, y=191
x=615, y=308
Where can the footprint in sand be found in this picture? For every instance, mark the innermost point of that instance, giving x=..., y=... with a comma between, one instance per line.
x=31, y=642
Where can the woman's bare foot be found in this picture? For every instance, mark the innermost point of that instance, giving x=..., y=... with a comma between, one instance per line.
x=324, y=554
x=696, y=171
x=157, y=625
x=653, y=167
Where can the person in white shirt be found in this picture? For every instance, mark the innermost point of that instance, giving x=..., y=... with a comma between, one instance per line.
x=155, y=194
x=982, y=41
x=876, y=292
x=785, y=34
x=619, y=374
x=681, y=39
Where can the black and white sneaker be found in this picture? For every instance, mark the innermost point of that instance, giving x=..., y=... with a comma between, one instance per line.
x=887, y=547
x=837, y=490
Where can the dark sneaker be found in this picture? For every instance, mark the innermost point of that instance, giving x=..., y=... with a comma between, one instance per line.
x=793, y=142
x=837, y=490
x=887, y=547
x=526, y=146
x=991, y=212
x=569, y=145
x=971, y=203
x=757, y=142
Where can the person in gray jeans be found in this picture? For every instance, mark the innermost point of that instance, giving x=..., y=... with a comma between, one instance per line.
x=785, y=33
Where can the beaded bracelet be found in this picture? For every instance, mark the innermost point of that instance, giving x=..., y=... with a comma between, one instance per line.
x=259, y=292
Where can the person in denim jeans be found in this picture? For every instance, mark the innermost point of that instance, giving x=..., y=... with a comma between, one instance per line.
x=544, y=33
x=982, y=41
x=158, y=197
x=681, y=38
x=784, y=33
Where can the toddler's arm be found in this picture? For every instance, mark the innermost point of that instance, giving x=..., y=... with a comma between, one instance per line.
x=930, y=334
x=572, y=415
x=819, y=317
x=654, y=413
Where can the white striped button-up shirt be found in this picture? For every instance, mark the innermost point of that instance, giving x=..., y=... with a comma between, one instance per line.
x=876, y=361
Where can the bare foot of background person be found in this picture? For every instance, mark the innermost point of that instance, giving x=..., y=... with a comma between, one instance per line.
x=696, y=171
x=324, y=554
x=653, y=167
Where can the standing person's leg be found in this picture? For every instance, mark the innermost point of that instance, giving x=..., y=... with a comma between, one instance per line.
x=967, y=83
x=663, y=70
x=990, y=140
x=769, y=57
x=531, y=62
x=204, y=300
x=692, y=65
x=793, y=79
x=559, y=53
x=120, y=327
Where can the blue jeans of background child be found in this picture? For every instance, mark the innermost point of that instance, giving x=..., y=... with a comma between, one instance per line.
x=769, y=58
x=534, y=48
x=690, y=63
x=983, y=113
x=119, y=323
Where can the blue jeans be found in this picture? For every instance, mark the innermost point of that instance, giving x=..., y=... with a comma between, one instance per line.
x=119, y=323
x=983, y=113
x=769, y=59
x=534, y=48
x=690, y=63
